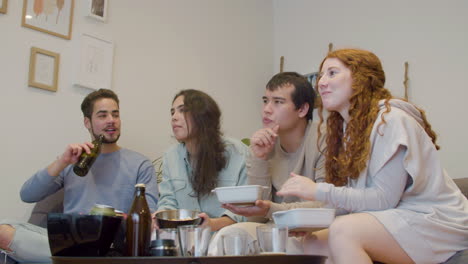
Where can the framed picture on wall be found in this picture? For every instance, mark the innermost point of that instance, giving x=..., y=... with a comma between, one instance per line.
x=312, y=78
x=95, y=62
x=98, y=9
x=52, y=17
x=43, y=69
x=3, y=6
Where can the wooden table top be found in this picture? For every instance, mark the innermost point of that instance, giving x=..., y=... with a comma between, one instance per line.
x=258, y=259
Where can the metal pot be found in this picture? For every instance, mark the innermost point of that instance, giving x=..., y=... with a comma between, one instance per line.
x=178, y=217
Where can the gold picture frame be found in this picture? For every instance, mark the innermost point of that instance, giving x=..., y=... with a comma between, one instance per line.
x=43, y=69
x=52, y=17
x=3, y=6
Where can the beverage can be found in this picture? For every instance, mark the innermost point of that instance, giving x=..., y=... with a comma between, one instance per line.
x=101, y=209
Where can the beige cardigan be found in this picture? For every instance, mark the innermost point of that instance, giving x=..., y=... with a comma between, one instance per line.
x=273, y=172
x=405, y=187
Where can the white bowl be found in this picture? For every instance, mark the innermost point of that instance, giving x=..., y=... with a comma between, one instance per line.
x=305, y=219
x=240, y=195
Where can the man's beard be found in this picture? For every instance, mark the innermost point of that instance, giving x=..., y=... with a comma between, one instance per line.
x=104, y=140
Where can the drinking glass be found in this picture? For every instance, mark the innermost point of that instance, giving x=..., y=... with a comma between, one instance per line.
x=194, y=240
x=169, y=233
x=234, y=244
x=272, y=239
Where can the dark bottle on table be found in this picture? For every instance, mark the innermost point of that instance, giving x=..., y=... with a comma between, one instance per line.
x=139, y=224
x=86, y=160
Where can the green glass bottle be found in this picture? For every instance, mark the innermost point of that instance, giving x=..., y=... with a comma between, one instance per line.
x=138, y=235
x=86, y=160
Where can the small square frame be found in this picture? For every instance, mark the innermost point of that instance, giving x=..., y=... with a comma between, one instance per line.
x=95, y=63
x=43, y=69
x=97, y=9
x=4, y=6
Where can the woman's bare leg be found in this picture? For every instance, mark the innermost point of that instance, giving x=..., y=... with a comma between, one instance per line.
x=7, y=233
x=316, y=243
x=361, y=238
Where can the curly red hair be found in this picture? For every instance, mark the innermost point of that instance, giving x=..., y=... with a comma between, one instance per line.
x=368, y=89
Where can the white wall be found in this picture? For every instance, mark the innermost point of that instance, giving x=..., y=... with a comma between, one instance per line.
x=431, y=35
x=222, y=47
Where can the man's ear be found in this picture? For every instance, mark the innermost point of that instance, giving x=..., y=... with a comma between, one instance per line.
x=87, y=123
x=303, y=110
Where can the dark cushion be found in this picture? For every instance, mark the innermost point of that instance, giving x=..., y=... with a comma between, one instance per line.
x=51, y=204
x=462, y=183
x=460, y=258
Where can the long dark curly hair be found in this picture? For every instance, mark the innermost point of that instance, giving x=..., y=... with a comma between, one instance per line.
x=368, y=79
x=206, y=132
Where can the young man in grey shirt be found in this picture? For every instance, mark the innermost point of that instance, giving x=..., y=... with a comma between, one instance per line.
x=110, y=180
x=287, y=143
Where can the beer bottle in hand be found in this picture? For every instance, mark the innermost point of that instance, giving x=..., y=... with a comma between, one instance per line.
x=139, y=224
x=86, y=160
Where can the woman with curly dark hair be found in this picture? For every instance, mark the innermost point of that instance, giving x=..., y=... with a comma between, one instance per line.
x=201, y=161
x=382, y=171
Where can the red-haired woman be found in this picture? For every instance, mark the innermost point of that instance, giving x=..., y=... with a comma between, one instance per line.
x=382, y=170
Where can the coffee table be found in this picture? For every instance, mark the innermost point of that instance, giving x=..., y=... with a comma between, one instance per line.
x=258, y=259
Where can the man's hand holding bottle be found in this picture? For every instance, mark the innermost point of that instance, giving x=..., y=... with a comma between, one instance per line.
x=71, y=155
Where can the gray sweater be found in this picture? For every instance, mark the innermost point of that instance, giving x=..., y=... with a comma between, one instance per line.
x=110, y=181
